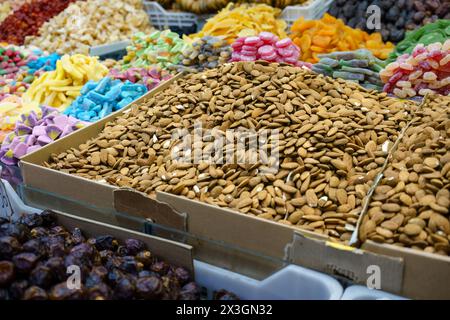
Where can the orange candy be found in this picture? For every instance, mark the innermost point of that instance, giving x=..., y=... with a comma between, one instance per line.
x=330, y=34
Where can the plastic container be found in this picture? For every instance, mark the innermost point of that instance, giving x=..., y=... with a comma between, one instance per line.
x=114, y=50
x=11, y=206
x=311, y=11
x=364, y=293
x=162, y=19
x=290, y=283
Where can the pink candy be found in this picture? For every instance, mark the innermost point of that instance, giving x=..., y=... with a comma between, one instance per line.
x=426, y=70
x=266, y=46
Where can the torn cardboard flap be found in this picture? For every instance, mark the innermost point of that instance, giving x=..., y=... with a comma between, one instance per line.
x=347, y=262
x=140, y=205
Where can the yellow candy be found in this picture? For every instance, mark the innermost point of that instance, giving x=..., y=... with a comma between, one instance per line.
x=242, y=21
x=58, y=88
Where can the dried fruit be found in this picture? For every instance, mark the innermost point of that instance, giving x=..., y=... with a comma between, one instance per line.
x=6, y=273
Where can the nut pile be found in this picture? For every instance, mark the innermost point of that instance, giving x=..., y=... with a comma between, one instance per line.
x=410, y=207
x=35, y=253
x=90, y=23
x=332, y=141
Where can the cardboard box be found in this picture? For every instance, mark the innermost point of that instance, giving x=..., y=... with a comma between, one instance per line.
x=230, y=239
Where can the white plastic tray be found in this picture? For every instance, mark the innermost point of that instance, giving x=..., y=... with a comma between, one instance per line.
x=364, y=293
x=289, y=283
x=312, y=11
x=162, y=19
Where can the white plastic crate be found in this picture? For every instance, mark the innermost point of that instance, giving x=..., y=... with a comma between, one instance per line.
x=312, y=11
x=364, y=293
x=290, y=283
x=162, y=19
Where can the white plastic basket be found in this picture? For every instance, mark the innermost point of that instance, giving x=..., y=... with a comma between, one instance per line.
x=162, y=19
x=290, y=283
x=364, y=293
x=312, y=11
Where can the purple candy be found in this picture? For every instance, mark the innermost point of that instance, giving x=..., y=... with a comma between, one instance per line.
x=20, y=150
x=44, y=140
x=39, y=131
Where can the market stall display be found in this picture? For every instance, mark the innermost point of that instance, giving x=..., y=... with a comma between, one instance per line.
x=11, y=109
x=60, y=87
x=325, y=166
x=89, y=23
x=359, y=66
x=426, y=70
x=35, y=130
x=159, y=48
x=26, y=20
x=410, y=207
x=36, y=251
x=99, y=99
x=330, y=34
x=267, y=46
x=243, y=21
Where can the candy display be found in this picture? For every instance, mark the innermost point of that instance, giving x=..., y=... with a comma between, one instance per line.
x=243, y=21
x=426, y=70
x=99, y=99
x=359, y=66
x=36, y=251
x=34, y=131
x=317, y=121
x=160, y=48
x=60, y=87
x=410, y=206
x=27, y=20
x=11, y=59
x=431, y=33
x=89, y=23
x=205, y=53
x=330, y=34
x=267, y=46
x=151, y=77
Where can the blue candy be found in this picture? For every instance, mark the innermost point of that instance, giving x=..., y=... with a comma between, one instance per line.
x=99, y=99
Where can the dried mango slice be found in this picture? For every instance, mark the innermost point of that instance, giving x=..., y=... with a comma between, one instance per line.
x=330, y=34
x=242, y=21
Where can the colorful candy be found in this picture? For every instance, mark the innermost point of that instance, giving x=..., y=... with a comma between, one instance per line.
x=34, y=131
x=267, y=46
x=27, y=20
x=99, y=99
x=60, y=87
x=11, y=108
x=428, y=34
x=150, y=77
x=243, y=20
x=330, y=34
x=205, y=53
x=426, y=70
x=359, y=66
x=160, y=48
x=5, y=10
x=90, y=23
